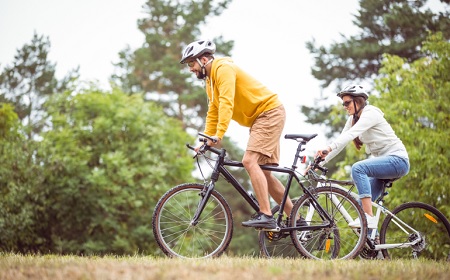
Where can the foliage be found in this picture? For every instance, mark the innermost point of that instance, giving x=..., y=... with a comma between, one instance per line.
x=18, y=177
x=8, y=120
x=30, y=81
x=103, y=166
x=395, y=27
x=154, y=69
x=386, y=27
x=415, y=98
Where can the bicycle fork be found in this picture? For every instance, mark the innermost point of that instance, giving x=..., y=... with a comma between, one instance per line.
x=205, y=195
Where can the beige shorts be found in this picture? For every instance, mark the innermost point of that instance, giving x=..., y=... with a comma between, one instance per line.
x=265, y=135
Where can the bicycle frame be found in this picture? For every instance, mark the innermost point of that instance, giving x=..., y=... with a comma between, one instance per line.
x=219, y=169
x=380, y=209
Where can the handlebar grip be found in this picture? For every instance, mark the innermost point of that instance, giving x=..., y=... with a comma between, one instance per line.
x=190, y=147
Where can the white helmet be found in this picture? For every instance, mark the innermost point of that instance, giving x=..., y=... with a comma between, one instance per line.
x=353, y=90
x=198, y=48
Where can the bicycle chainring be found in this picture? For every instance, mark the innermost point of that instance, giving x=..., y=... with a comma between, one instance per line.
x=368, y=254
x=275, y=236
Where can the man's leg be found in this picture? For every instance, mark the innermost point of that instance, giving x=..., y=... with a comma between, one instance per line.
x=264, y=219
x=259, y=181
x=263, y=148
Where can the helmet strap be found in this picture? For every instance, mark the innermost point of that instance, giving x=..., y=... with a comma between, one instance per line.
x=203, y=74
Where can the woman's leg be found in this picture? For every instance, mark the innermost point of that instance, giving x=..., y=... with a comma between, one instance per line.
x=386, y=167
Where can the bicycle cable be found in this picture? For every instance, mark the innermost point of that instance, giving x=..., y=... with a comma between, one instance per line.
x=208, y=160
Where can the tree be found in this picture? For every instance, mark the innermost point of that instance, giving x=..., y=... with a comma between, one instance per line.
x=30, y=81
x=415, y=98
x=387, y=27
x=107, y=160
x=154, y=69
x=18, y=177
x=394, y=27
x=8, y=120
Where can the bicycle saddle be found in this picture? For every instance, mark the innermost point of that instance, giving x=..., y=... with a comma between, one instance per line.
x=388, y=182
x=300, y=137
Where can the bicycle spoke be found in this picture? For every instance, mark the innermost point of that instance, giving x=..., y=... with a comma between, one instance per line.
x=338, y=241
x=178, y=236
x=418, y=230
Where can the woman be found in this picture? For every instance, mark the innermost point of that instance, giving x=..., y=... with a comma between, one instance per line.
x=367, y=125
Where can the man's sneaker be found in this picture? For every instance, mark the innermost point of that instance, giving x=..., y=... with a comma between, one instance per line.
x=371, y=222
x=261, y=220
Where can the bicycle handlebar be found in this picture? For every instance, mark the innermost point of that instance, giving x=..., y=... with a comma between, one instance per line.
x=204, y=147
x=315, y=164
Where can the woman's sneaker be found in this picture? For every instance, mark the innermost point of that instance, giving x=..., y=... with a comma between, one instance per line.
x=371, y=222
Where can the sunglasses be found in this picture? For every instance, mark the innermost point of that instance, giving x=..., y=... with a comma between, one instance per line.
x=191, y=64
x=346, y=103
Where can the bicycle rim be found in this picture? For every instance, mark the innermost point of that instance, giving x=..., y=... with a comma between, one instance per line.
x=433, y=233
x=338, y=241
x=174, y=232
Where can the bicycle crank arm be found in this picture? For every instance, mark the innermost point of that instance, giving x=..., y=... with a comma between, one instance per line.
x=277, y=229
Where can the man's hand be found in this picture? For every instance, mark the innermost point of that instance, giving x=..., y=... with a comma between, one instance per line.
x=212, y=143
x=209, y=143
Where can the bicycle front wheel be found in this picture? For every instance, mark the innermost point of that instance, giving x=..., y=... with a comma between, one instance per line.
x=423, y=223
x=174, y=231
x=337, y=240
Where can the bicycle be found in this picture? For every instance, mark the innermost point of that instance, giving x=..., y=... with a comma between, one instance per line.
x=194, y=220
x=416, y=226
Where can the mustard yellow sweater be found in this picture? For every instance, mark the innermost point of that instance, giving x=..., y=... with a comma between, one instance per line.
x=234, y=95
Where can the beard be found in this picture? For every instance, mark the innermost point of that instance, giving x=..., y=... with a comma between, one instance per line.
x=201, y=74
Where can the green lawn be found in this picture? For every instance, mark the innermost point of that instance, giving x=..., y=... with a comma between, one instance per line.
x=55, y=267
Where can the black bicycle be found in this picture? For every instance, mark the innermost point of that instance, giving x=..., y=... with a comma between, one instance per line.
x=193, y=220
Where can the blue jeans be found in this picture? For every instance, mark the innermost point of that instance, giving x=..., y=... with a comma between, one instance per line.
x=367, y=174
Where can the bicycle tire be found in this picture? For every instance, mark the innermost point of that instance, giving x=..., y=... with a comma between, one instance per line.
x=431, y=224
x=277, y=244
x=339, y=241
x=173, y=231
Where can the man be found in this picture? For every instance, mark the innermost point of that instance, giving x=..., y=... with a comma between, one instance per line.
x=235, y=95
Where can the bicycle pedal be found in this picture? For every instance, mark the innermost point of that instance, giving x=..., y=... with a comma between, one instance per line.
x=277, y=229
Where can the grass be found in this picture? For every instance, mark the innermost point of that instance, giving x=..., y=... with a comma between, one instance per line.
x=18, y=267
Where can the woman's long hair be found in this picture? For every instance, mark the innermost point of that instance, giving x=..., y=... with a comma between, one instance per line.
x=361, y=102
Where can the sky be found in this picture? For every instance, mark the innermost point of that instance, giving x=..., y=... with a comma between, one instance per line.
x=269, y=35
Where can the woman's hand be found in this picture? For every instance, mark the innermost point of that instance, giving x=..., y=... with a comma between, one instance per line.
x=323, y=152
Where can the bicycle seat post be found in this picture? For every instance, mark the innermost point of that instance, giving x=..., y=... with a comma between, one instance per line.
x=297, y=154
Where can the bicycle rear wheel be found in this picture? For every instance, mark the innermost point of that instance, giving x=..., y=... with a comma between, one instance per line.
x=433, y=231
x=338, y=240
x=277, y=244
x=173, y=228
